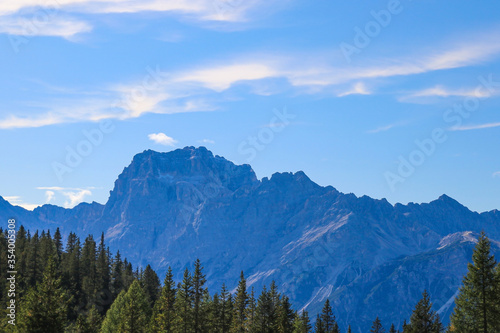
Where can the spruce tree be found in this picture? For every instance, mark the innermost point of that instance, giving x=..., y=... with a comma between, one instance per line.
x=240, y=306
x=286, y=315
x=151, y=285
x=423, y=318
x=377, y=326
x=266, y=320
x=129, y=313
x=250, y=324
x=476, y=306
x=392, y=329
x=163, y=312
x=301, y=323
x=199, y=315
x=226, y=310
x=184, y=305
x=319, y=326
x=44, y=308
x=328, y=319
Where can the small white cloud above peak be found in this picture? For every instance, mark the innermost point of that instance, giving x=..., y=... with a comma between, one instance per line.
x=162, y=139
x=207, y=141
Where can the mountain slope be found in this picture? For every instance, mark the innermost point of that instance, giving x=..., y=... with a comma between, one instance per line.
x=168, y=209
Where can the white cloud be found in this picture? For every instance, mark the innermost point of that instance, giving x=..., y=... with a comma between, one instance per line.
x=382, y=128
x=31, y=26
x=44, y=17
x=443, y=92
x=221, y=78
x=17, y=201
x=207, y=141
x=74, y=196
x=496, y=174
x=475, y=127
x=358, y=89
x=49, y=195
x=162, y=139
x=190, y=90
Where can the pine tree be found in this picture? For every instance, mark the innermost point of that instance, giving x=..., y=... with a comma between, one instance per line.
x=113, y=316
x=130, y=314
x=328, y=319
x=199, y=316
x=34, y=266
x=423, y=318
x=251, y=311
x=163, y=313
x=476, y=306
x=377, y=326
x=266, y=320
x=184, y=305
x=301, y=323
x=88, y=271
x=240, y=306
x=286, y=316
x=226, y=310
x=44, y=308
x=151, y=285
x=319, y=326
x=392, y=329
x=89, y=322
x=58, y=243
x=117, y=284
x=349, y=329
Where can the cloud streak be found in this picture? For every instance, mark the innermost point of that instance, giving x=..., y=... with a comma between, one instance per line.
x=475, y=127
x=191, y=89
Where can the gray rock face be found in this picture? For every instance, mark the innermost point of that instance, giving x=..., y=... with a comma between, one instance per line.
x=369, y=257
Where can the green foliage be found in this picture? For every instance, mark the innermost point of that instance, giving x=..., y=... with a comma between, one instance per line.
x=44, y=308
x=377, y=326
x=423, y=318
x=164, y=312
x=240, y=306
x=477, y=305
x=130, y=313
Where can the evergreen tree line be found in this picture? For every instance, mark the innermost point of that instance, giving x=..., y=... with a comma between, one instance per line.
x=83, y=288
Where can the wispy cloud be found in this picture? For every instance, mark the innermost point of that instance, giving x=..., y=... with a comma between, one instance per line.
x=496, y=174
x=475, y=127
x=17, y=201
x=47, y=18
x=444, y=92
x=192, y=89
x=162, y=139
x=358, y=89
x=385, y=128
x=72, y=196
x=65, y=27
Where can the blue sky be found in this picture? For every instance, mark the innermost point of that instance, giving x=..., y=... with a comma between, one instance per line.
x=392, y=99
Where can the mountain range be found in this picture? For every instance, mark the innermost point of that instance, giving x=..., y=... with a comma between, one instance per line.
x=369, y=257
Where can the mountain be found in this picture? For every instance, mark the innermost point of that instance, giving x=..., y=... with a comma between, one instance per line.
x=367, y=256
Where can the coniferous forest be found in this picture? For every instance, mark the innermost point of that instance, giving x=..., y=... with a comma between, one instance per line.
x=76, y=286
